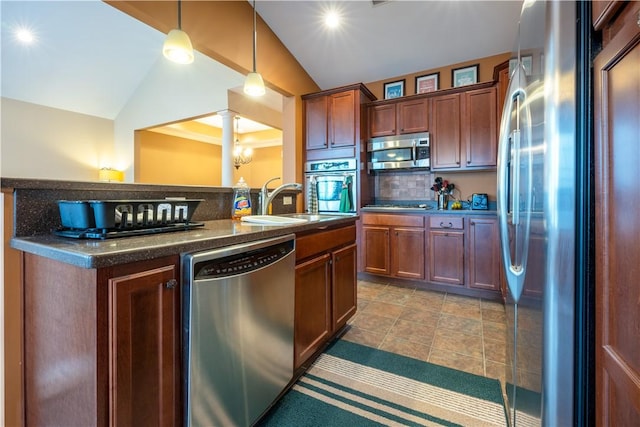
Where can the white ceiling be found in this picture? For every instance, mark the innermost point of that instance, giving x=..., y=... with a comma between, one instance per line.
x=84, y=60
x=391, y=39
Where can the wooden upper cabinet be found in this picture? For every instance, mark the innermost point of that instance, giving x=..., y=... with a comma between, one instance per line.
x=334, y=122
x=464, y=130
x=401, y=117
x=413, y=115
x=445, y=132
x=382, y=120
x=341, y=117
x=316, y=122
x=479, y=127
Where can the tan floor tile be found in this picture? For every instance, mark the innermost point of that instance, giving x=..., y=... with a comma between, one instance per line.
x=399, y=289
x=486, y=304
x=371, y=285
x=420, y=316
x=405, y=348
x=370, y=294
x=383, y=309
x=462, y=309
x=494, y=331
x=496, y=370
x=425, y=302
x=362, y=304
x=461, y=324
x=530, y=380
x=411, y=331
x=495, y=351
x=470, y=345
x=394, y=297
x=360, y=336
x=491, y=315
x=460, y=299
x=458, y=361
x=373, y=322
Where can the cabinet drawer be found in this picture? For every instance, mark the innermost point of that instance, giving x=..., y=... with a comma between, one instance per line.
x=392, y=220
x=446, y=222
x=314, y=243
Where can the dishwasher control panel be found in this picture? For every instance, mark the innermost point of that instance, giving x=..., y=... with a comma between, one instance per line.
x=243, y=262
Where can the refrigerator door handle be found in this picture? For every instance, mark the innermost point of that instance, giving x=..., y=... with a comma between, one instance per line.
x=509, y=168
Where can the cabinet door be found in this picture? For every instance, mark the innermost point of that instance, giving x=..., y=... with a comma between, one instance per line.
x=342, y=119
x=144, y=348
x=407, y=252
x=376, y=250
x=312, y=322
x=344, y=285
x=413, y=116
x=445, y=130
x=479, y=128
x=316, y=122
x=617, y=225
x=382, y=120
x=483, y=253
x=446, y=257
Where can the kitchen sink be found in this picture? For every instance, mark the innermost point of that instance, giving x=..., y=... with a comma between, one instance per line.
x=272, y=220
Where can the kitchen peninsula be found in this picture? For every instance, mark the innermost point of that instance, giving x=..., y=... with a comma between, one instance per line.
x=103, y=318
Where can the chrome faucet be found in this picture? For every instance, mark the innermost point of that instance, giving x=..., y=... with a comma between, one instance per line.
x=266, y=198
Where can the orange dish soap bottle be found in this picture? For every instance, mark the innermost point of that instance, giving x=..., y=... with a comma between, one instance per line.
x=241, y=200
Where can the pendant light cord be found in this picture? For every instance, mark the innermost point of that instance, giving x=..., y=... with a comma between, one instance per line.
x=179, y=14
x=255, y=36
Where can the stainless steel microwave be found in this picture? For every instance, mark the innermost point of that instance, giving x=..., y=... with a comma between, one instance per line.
x=399, y=152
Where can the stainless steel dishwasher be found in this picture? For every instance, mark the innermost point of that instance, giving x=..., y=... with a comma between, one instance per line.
x=238, y=330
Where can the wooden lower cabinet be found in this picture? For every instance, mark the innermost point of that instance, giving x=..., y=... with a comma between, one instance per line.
x=454, y=252
x=394, y=245
x=446, y=249
x=325, y=295
x=313, y=323
x=483, y=254
x=102, y=345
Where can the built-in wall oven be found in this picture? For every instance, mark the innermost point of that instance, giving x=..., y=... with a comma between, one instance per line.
x=331, y=186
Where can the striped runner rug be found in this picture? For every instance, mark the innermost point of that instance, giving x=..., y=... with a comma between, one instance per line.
x=355, y=385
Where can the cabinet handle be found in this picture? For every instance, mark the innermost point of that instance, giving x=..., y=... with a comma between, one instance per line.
x=445, y=226
x=171, y=284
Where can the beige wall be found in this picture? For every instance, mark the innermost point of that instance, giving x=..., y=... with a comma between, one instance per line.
x=485, y=74
x=265, y=164
x=48, y=143
x=164, y=159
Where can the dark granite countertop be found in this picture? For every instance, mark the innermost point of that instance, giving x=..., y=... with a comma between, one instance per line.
x=431, y=211
x=215, y=234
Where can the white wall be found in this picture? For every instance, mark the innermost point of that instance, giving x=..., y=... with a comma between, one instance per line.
x=169, y=93
x=48, y=143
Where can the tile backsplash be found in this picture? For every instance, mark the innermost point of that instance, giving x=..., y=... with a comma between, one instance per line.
x=416, y=185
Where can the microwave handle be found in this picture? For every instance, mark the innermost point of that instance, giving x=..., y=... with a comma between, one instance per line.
x=414, y=152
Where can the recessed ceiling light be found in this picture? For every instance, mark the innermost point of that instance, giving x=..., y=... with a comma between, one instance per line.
x=332, y=19
x=24, y=35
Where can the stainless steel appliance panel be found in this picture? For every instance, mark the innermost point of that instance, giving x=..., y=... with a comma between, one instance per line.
x=399, y=152
x=537, y=209
x=328, y=183
x=238, y=330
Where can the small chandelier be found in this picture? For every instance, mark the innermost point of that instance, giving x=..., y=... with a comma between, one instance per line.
x=241, y=156
x=253, y=84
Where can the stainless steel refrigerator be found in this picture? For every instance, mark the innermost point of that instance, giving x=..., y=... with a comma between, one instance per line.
x=544, y=199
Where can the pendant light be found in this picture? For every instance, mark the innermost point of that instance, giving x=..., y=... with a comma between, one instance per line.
x=241, y=156
x=177, y=46
x=254, y=85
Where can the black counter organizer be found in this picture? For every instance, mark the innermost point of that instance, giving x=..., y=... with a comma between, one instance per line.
x=104, y=219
